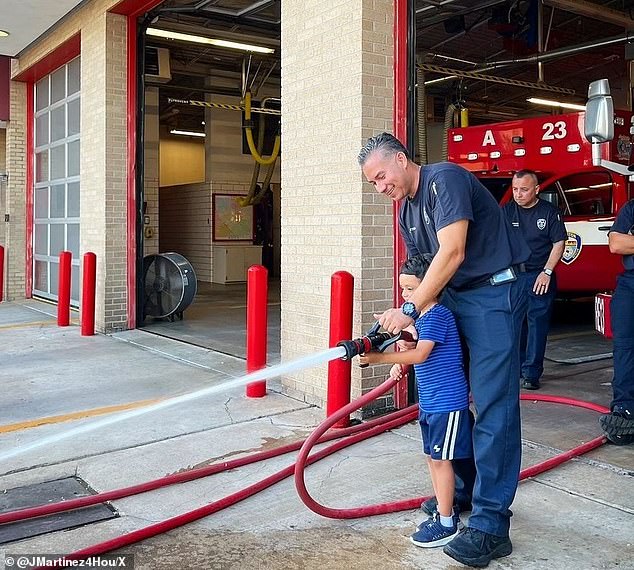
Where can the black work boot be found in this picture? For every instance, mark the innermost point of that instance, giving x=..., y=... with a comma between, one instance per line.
x=530, y=384
x=618, y=425
x=475, y=548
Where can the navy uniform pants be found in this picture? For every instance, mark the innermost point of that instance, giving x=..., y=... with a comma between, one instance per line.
x=536, y=324
x=622, y=321
x=489, y=318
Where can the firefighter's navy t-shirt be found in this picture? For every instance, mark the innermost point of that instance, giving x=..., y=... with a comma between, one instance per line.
x=541, y=226
x=446, y=194
x=624, y=224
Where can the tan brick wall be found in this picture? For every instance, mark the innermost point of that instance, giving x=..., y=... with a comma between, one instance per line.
x=335, y=93
x=15, y=230
x=104, y=163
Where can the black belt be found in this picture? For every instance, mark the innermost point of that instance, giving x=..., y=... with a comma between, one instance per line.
x=518, y=268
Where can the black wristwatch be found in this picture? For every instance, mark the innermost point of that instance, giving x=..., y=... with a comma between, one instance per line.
x=547, y=271
x=409, y=310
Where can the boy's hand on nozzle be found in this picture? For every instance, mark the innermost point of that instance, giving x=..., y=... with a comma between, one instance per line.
x=369, y=358
x=406, y=344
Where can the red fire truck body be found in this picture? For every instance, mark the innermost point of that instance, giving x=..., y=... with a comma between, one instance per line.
x=588, y=196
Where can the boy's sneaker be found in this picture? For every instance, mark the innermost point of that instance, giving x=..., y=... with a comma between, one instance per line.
x=431, y=518
x=431, y=533
x=430, y=506
x=475, y=548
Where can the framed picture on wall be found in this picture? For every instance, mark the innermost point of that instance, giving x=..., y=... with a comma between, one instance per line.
x=232, y=222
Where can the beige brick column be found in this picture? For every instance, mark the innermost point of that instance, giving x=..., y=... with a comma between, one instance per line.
x=103, y=162
x=15, y=206
x=337, y=76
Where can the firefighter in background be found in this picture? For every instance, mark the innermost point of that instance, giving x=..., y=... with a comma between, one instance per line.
x=618, y=425
x=540, y=223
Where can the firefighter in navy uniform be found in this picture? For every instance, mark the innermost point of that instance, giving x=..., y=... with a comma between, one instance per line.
x=618, y=425
x=541, y=225
x=447, y=212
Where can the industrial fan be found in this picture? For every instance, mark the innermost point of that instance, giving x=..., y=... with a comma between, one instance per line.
x=169, y=283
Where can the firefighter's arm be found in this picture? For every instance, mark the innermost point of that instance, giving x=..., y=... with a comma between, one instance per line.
x=621, y=244
x=452, y=240
x=542, y=283
x=414, y=356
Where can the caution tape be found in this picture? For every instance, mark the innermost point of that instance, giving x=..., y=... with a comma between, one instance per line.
x=224, y=106
x=493, y=79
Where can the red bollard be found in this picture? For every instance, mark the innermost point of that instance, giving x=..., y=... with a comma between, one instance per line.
x=1, y=273
x=340, y=371
x=89, y=279
x=63, y=290
x=257, y=306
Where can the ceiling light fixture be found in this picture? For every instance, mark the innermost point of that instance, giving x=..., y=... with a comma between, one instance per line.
x=204, y=40
x=440, y=79
x=186, y=133
x=549, y=103
x=3, y=34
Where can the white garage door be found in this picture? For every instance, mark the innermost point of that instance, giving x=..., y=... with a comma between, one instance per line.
x=57, y=184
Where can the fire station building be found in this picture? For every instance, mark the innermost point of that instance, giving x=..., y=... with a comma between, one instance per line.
x=124, y=137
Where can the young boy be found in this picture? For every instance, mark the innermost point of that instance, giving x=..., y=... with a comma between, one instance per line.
x=443, y=394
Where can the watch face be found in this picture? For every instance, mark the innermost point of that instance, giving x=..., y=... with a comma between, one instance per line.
x=409, y=309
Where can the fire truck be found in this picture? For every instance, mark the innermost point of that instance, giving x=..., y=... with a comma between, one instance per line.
x=588, y=196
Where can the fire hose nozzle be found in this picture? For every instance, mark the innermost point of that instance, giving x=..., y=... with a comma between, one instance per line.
x=373, y=340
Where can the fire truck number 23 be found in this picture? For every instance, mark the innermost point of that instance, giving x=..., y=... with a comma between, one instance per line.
x=554, y=131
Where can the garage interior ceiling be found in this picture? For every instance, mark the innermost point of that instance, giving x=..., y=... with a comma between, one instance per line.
x=501, y=38
x=497, y=38
x=199, y=69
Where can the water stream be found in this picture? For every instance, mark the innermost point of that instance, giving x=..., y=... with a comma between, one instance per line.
x=266, y=373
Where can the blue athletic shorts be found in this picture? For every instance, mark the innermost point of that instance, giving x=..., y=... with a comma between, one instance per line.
x=447, y=435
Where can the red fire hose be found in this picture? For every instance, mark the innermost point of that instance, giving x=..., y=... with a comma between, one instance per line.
x=303, y=459
x=355, y=433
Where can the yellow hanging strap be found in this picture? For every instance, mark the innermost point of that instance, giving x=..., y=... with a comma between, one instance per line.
x=249, y=132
